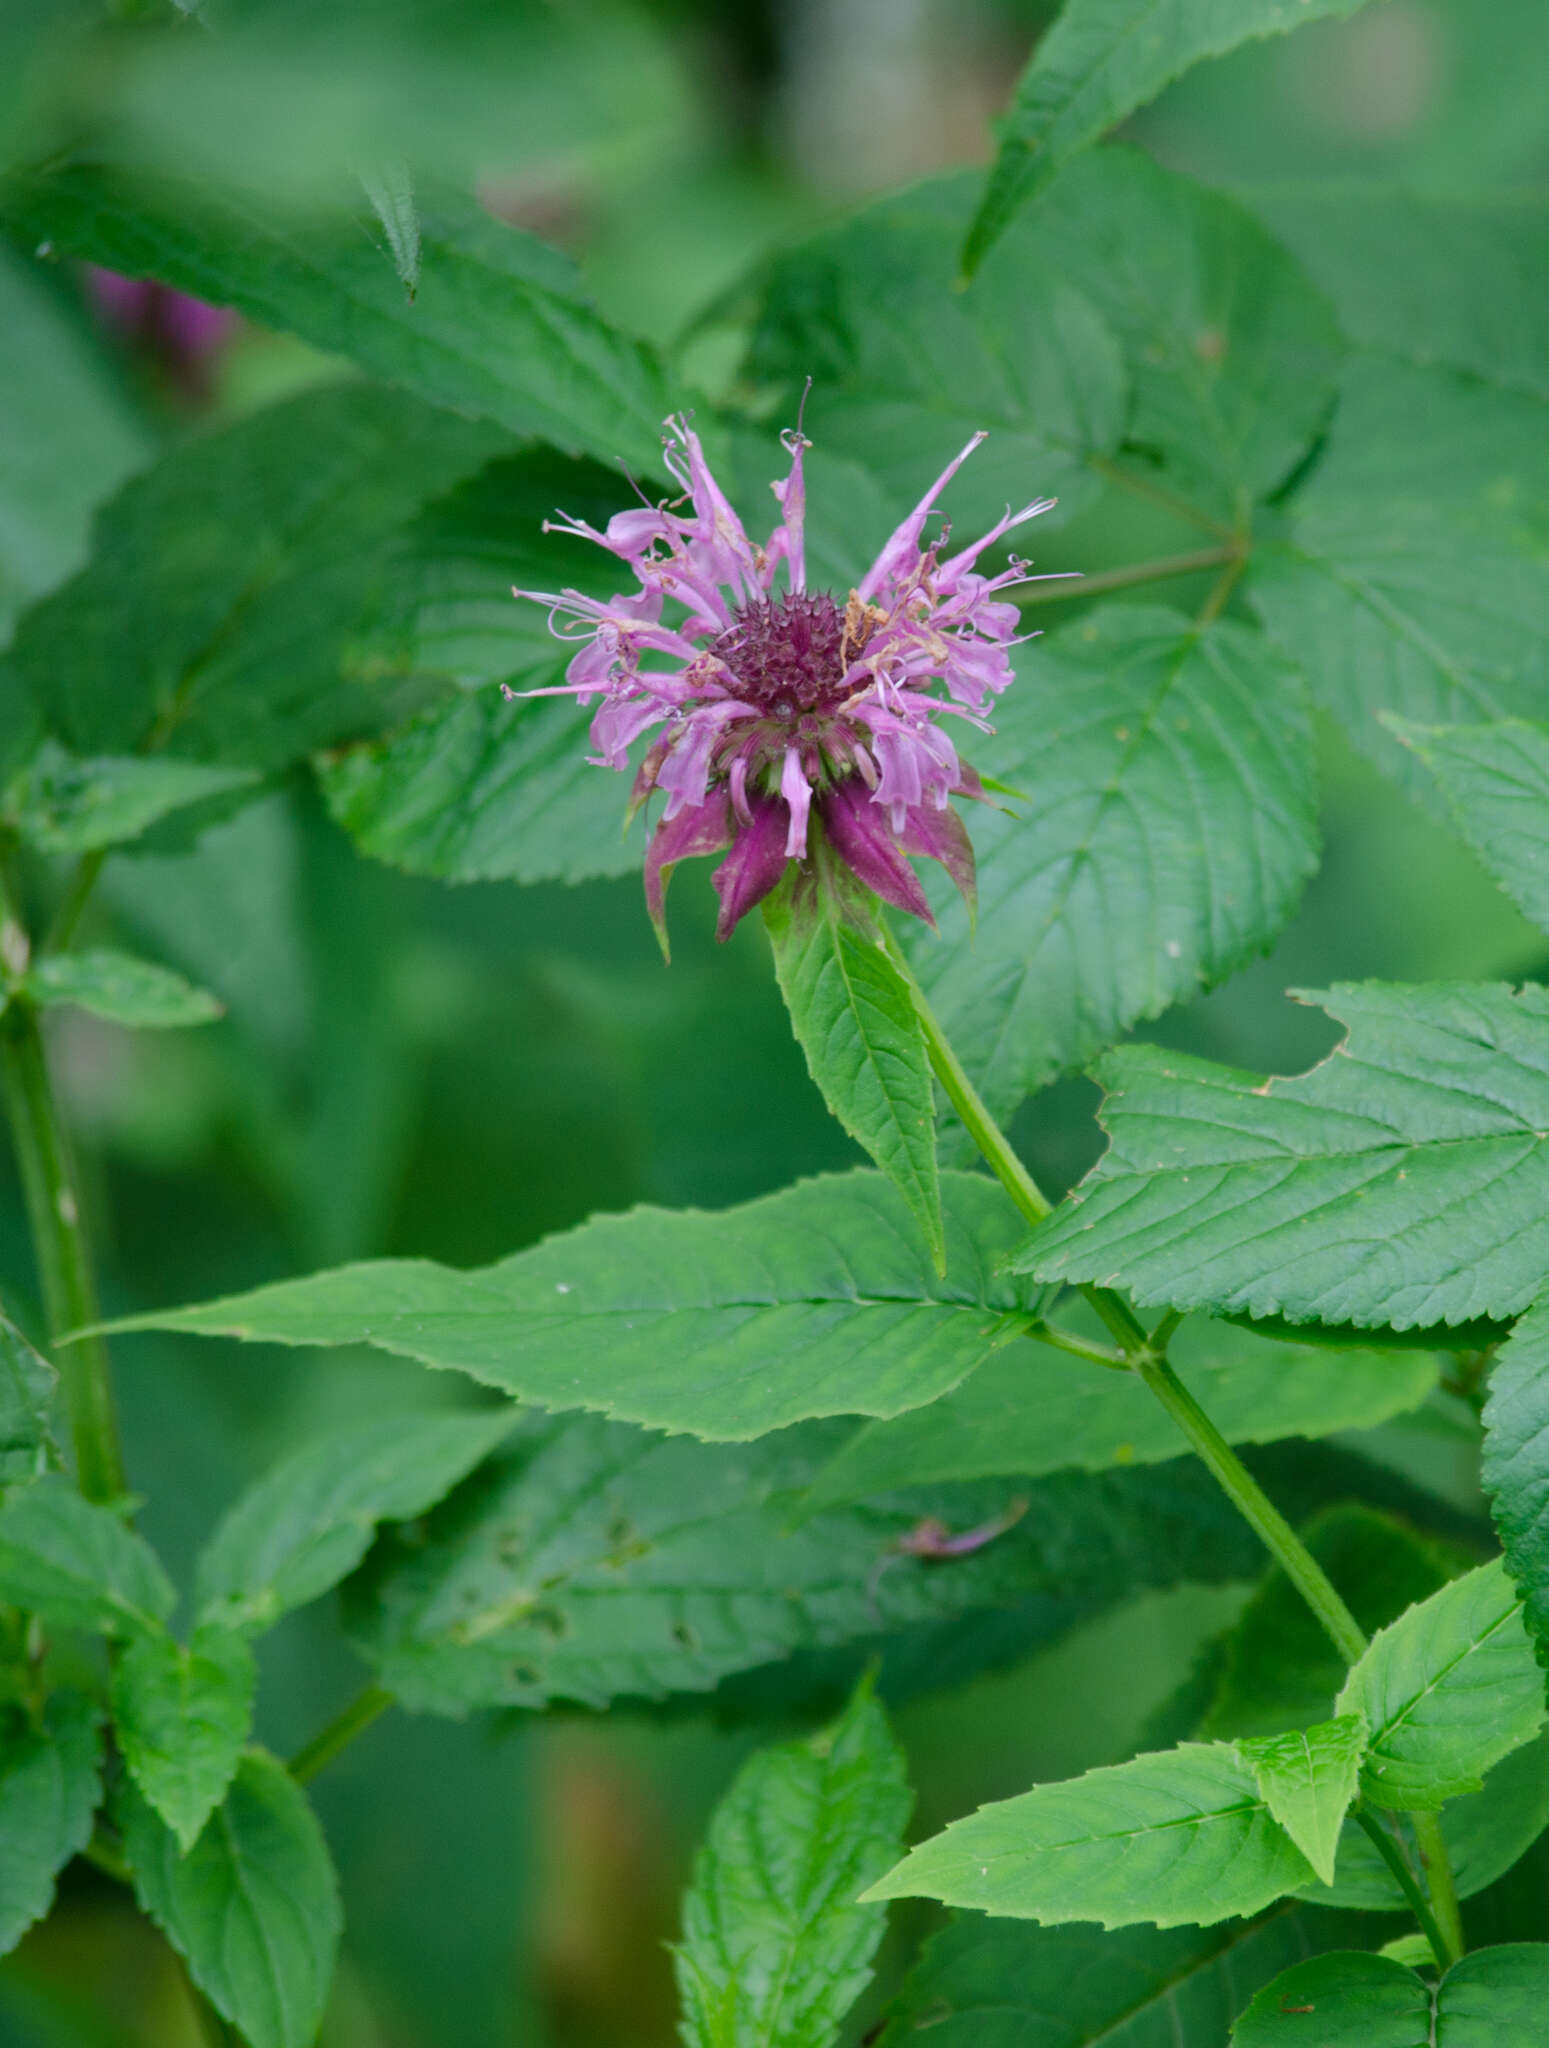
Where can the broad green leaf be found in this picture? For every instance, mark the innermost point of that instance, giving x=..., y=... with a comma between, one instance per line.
x=1516, y=1464
x=1179, y=1837
x=27, y=1383
x=76, y=1564
x=65, y=805
x=856, y=1022
x=1308, y=1777
x=775, y=1948
x=310, y=1519
x=1403, y=1181
x=222, y=639
x=1415, y=577
x=498, y=328
x=589, y=1561
x=1446, y=1690
x=1495, y=779
x=1494, y=1998
x=984, y=1983
x=1100, y=61
x=50, y=1783
x=120, y=988
x=1453, y=279
x=1169, y=827
x=819, y=1300
x=1031, y=1410
x=905, y=369
x=253, y=1908
x=181, y=1717
x=1413, y=1950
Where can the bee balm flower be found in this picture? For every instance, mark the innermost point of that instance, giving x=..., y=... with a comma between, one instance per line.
x=778, y=711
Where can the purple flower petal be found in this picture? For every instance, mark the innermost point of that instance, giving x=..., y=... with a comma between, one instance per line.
x=705, y=829
x=859, y=832
x=754, y=865
x=942, y=835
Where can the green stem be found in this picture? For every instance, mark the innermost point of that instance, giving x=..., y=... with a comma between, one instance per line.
x=1438, y=1878
x=1065, y=1340
x=1065, y=590
x=1398, y=1863
x=59, y=1244
x=73, y=902
x=340, y=1732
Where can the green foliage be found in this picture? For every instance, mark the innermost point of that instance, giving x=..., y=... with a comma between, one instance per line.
x=1100, y=61
x=1308, y=1779
x=815, y=1301
x=50, y=1782
x=1403, y=1181
x=309, y=1520
x=1516, y=1465
x=855, y=1020
x=1169, y=827
x=78, y=1565
x=1179, y=1837
x=1495, y=778
x=775, y=1950
x=1029, y=1411
x=64, y=805
x=253, y=1907
x=118, y=987
x=181, y=1717
x=1446, y=1691
x=1492, y=1999
x=27, y=1383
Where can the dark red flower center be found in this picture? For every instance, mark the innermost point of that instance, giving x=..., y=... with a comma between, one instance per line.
x=786, y=652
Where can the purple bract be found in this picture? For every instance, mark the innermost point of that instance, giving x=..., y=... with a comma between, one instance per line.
x=782, y=710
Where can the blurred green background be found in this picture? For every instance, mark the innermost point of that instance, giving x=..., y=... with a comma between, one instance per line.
x=413, y=1069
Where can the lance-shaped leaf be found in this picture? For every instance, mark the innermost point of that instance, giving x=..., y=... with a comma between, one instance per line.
x=181, y=1717
x=1446, y=1690
x=1182, y=1836
x=310, y=1519
x=1495, y=779
x=855, y=1020
x=1031, y=1410
x=498, y=326
x=1100, y=61
x=253, y=1908
x=65, y=805
x=1403, y=1181
x=775, y=1947
x=76, y=1564
x=1516, y=1464
x=27, y=1383
x=1169, y=826
x=820, y=1300
x=1494, y=1998
x=1308, y=1778
x=120, y=988
x=50, y=1783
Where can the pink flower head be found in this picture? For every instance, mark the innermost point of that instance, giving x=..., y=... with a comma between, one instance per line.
x=780, y=711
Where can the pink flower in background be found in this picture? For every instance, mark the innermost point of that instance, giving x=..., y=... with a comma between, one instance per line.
x=181, y=335
x=780, y=712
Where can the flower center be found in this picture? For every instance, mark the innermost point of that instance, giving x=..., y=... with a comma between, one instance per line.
x=786, y=652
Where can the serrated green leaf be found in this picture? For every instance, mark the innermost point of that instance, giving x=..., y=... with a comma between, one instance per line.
x=50, y=1783
x=120, y=988
x=1100, y=61
x=1170, y=825
x=857, y=1025
x=986, y=1983
x=76, y=1564
x=1308, y=1778
x=499, y=327
x=1516, y=1464
x=1492, y=1999
x=65, y=805
x=181, y=1718
x=1446, y=1690
x=390, y=188
x=253, y=1908
x=1403, y=1181
x=27, y=1383
x=1038, y=1410
x=223, y=639
x=309, y=1520
x=1495, y=779
x=775, y=1949
x=1179, y=1837
x=814, y=1301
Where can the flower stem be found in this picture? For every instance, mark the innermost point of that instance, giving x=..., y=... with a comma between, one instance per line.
x=1398, y=1863
x=1067, y=589
x=340, y=1732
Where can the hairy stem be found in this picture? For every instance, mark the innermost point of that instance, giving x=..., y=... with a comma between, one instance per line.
x=1393, y=1856
x=340, y=1732
x=1065, y=590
